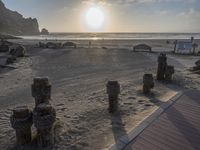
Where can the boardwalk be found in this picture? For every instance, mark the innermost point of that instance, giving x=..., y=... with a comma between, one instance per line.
x=178, y=128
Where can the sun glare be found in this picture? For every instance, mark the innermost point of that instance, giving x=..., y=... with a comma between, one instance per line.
x=95, y=18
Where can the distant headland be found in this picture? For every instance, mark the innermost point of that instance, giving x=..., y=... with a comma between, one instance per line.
x=12, y=22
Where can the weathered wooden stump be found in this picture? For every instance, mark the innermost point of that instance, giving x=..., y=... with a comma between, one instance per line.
x=44, y=116
x=162, y=64
x=113, y=90
x=148, y=83
x=169, y=72
x=21, y=121
x=41, y=90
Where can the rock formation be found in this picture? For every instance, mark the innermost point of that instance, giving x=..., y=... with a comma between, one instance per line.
x=44, y=32
x=11, y=22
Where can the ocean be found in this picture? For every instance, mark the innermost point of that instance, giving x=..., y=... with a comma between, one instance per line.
x=112, y=36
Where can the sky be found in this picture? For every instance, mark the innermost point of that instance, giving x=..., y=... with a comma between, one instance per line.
x=118, y=15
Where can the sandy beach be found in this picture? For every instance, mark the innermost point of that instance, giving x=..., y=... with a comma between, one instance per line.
x=79, y=76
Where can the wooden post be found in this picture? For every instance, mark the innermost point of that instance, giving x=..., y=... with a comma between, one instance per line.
x=169, y=72
x=113, y=90
x=148, y=83
x=21, y=121
x=44, y=116
x=162, y=63
x=41, y=90
x=175, y=45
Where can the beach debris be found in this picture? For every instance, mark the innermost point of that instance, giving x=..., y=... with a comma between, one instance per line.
x=70, y=44
x=21, y=121
x=44, y=115
x=148, y=83
x=19, y=51
x=41, y=90
x=113, y=90
x=169, y=72
x=162, y=64
x=143, y=47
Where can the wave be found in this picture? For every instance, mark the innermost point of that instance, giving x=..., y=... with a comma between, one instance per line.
x=112, y=36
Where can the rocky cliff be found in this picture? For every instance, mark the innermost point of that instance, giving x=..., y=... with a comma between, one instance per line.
x=11, y=22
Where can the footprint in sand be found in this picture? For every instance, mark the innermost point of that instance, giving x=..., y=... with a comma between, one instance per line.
x=141, y=101
x=148, y=105
x=131, y=97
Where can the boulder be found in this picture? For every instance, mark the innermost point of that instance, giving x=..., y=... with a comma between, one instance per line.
x=70, y=44
x=19, y=51
x=44, y=32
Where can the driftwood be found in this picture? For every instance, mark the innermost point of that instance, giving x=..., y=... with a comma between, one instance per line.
x=143, y=47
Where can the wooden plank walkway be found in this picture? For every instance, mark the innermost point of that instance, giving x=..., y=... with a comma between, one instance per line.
x=177, y=128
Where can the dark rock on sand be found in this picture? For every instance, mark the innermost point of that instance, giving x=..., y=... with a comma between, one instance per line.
x=11, y=22
x=18, y=51
x=44, y=32
x=69, y=44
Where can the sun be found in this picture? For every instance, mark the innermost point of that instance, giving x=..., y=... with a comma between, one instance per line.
x=95, y=18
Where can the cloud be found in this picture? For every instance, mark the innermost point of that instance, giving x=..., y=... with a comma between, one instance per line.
x=153, y=1
x=191, y=13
